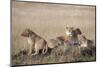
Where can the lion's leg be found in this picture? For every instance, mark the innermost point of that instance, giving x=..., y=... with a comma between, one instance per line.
x=36, y=52
x=45, y=49
x=30, y=50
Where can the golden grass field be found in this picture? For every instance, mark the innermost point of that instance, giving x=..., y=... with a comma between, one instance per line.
x=49, y=21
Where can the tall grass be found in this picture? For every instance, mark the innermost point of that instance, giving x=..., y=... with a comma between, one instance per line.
x=48, y=21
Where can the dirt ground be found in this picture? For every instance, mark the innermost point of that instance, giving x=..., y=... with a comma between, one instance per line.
x=49, y=21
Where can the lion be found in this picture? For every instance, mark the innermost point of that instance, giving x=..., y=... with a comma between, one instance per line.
x=53, y=43
x=35, y=42
x=87, y=46
x=85, y=43
x=72, y=35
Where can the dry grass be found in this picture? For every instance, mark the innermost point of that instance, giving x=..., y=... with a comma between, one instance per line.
x=49, y=21
x=56, y=55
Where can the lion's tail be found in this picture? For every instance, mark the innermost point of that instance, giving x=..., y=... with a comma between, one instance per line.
x=45, y=49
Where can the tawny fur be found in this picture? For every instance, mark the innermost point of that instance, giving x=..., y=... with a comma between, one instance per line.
x=72, y=35
x=35, y=42
x=53, y=43
x=70, y=38
x=85, y=43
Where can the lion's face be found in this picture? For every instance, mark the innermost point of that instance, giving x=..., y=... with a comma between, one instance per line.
x=26, y=33
x=69, y=31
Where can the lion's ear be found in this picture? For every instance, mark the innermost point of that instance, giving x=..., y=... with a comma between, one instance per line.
x=30, y=31
x=78, y=31
x=72, y=28
x=66, y=27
